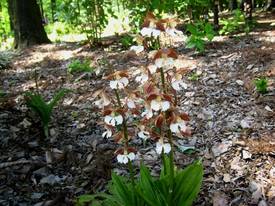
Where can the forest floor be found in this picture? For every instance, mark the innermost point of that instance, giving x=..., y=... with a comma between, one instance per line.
x=233, y=127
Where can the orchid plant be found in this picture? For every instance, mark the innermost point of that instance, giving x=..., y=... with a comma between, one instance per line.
x=148, y=109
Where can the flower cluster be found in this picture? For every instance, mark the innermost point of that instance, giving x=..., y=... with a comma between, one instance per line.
x=150, y=106
x=153, y=29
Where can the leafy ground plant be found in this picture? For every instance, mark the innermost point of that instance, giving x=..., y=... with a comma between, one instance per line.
x=154, y=105
x=261, y=85
x=163, y=191
x=126, y=41
x=44, y=109
x=200, y=34
x=194, y=76
x=234, y=24
x=80, y=66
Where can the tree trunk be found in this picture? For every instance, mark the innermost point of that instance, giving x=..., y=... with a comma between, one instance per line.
x=233, y=4
x=216, y=14
x=270, y=4
x=53, y=8
x=248, y=9
x=26, y=23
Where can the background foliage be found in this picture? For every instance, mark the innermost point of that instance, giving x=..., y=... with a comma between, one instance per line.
x=89, y=18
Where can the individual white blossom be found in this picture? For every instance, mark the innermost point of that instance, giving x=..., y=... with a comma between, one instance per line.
x=148, y=113
x=138, y=49
x=164, y=62
x=120, y=83
x=113, y=120
x=158, y=104
x=143, y=78
x=178, y=126
x=108, y=133
x=166, y=147
x=102, y=102
x=152, y=68
x=149, y=32
x=131, y=104
x=144, y=134
x=125, y=158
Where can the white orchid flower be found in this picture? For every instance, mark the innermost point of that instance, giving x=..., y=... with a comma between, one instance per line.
x=166, y=147
x=158, y=104
x=119, y=83
x=148, y=113
x=138, y=49
x=125, y=158
x=108, y=133
x=178, y=127
x=143, y=78
x=152, y=68
x=102, y=102
x=164, y=62
x=144, y=135
x=113, y=119
x=149, y=32
x=131, y=104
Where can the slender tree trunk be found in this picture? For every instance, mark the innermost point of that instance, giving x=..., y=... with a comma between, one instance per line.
x=233, y=4
x=270, y=4
x=26, y=23
x=216, y=14
x=53, y=8
x=248, y=9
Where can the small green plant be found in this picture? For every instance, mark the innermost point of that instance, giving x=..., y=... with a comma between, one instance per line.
x=2, y=93
x=5, y=59
x=126, y=41
x=261, y=85
x=44, y=109
x=233, y=24
x=80, y=66
x=200, y=33
x=194, y=76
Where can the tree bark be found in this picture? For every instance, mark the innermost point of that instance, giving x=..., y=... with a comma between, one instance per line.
x=53, y=8
x=248, y=9
x=270, y=4
x=27, y=24
x=216, y=14
x=233, y=4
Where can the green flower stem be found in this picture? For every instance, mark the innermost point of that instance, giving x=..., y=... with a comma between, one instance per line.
x=169, y=134
x=126, y=141
x=46, y=131
x=163, y=162
x=118, y=98
x=132, y=175
x=124, y=124
x=171, y=154
x=162, y=80
x=158, y=42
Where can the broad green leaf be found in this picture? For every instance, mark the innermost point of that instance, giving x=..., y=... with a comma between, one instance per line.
x=187, y=184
